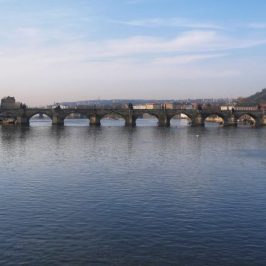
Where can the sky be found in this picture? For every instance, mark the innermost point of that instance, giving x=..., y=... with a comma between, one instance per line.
x=68, y=50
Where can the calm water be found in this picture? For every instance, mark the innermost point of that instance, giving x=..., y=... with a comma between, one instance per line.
x=79, y=195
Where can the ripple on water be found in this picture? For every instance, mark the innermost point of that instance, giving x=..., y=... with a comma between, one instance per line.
x=144, y=196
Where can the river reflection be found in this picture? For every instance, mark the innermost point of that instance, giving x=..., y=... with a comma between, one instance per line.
x=80, y=195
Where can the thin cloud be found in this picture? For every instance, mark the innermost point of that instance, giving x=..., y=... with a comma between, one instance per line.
x=258, y=26
x=172, y=22
x=79, y=63
x=30, y=40
x=134, y=2
x=187, y=59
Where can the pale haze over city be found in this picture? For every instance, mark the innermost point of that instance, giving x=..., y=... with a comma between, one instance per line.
x=65, y=50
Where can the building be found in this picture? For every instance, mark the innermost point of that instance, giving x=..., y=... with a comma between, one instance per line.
x=9, y=103
x=169, y=106
x=227, y=107
x=263, y=106
x=153, y=106
x=140, y=106
x=148, y=106
x=246, y=108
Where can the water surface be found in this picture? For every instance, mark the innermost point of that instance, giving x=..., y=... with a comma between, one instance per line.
x=79, y=195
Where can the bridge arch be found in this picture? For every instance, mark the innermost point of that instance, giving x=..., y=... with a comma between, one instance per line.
x=43, y=117
x=147, y=118
x=112, y=118
x=214, y=119
x=246, y=119
x=30, y=116
x=75, y=118
x=180, y=119
x=72, y=112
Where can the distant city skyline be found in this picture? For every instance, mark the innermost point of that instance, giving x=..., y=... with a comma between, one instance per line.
x=64, y=50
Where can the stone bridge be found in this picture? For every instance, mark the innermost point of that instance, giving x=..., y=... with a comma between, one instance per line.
x=164, y=116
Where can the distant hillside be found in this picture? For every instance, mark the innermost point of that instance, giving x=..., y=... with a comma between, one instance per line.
x=144, y=101
x=110, y=102
x=257, y=98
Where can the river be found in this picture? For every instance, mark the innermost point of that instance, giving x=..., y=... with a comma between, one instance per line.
x=79, y=195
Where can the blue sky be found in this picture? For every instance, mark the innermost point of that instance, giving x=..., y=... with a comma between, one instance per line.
x=59, y=50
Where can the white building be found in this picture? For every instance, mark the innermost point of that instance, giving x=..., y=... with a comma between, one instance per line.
x=227, y=107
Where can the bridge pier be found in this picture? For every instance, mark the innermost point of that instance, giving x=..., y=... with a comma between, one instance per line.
x=57, y=120
x=95, y=120
x=197, y=121
x=22, y=121
x=259, y=122
x=163, y=120
x=264, y=120
x=230, y=121
x=130, y=120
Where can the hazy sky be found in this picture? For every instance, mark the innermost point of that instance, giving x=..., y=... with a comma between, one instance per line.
x=58, y=50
